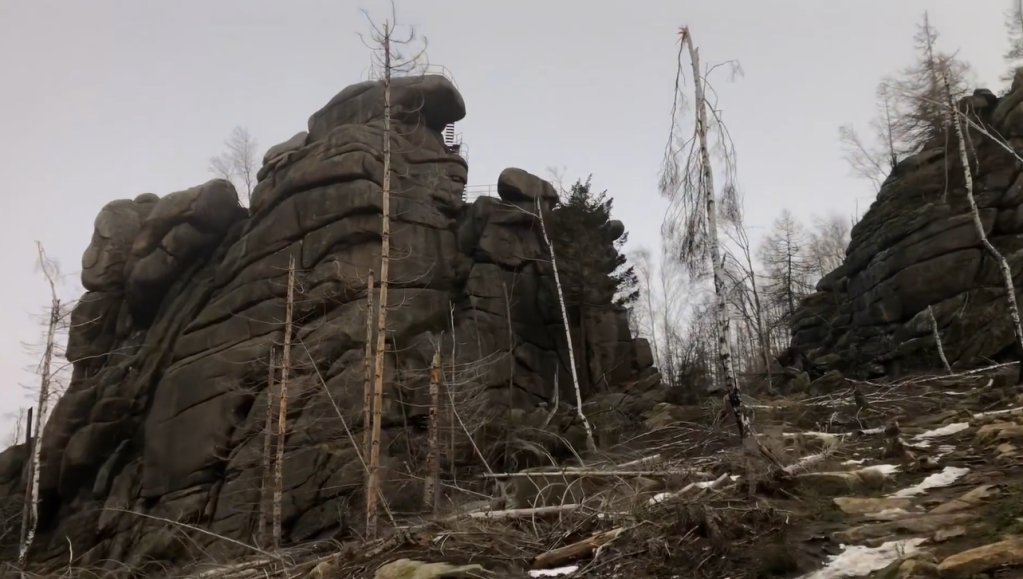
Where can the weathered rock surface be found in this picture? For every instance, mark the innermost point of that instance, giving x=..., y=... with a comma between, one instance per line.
x=917, y=247
x=170, y=344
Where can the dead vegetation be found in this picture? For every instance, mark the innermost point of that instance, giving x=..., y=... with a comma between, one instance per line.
x=694, y=500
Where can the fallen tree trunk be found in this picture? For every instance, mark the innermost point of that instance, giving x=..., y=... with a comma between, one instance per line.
x=562, y=555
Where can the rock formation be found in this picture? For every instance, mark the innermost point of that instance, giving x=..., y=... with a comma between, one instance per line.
x=165, y=411
x=917, y=247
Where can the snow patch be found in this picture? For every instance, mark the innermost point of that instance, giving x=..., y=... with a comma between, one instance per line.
x=947, y=430
x=857, y=560
x=659, y=498
x=885, y=469
x=937, y=480
x=558, y=572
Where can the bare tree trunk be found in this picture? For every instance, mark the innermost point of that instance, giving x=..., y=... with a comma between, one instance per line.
x=282, y=416
x=1003, y=264
x=937, y=339
x=31, y=517
x=27, y=507
x=762, y=338
x=724, y=324
x=373, y=485
x=265, y=485
x=590, y=442
x=431, y=490
x=511, y=376
x=368, y=366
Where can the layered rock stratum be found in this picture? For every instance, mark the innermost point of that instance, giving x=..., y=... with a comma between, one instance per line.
x=916, y=251
x=186, y=294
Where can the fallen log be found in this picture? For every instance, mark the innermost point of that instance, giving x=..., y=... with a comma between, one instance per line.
x=561, y=555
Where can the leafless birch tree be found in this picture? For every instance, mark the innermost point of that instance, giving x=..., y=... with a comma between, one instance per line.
x=239, y=163
x=752, y=307
x=874, y=158
x=1003, y=264
x=590, y=441
x=645, y=311
x=689, y=185
x=1014, y=27
x=31, y=515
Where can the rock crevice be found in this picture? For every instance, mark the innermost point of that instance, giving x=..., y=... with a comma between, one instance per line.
x=917, y=248
x=186, y=295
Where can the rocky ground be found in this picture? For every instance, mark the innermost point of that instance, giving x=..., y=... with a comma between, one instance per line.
x=913, y=479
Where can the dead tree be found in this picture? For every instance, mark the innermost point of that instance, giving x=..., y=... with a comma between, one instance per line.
x=265, y=486
x=30, y=516
x=282, y=415
x=389, y=64
x=431, y=490
x=693, y=188
x=368, y=366
x=373, y=485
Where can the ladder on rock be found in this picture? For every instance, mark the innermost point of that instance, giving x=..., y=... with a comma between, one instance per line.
x=452, y=142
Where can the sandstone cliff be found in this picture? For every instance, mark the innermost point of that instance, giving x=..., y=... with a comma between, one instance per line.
x=917, y=247
x=186, y=294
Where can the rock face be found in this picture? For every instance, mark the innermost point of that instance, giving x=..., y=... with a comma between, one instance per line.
x=186, y=295
x=917, y=247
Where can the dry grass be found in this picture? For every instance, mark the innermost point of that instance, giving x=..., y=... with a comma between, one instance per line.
x=679, y=496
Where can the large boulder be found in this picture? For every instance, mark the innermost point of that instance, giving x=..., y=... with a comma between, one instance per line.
x=114, y=233
x=171, y=345
x=916, y=252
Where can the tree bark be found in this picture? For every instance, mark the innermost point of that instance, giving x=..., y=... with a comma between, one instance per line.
x=31, y=517
x=373, y=485
x=368, y=367
x=265, y=485
x=590, y=442
x=282, y=416
x=724, y=324
x=937, y=340
x=431, y=489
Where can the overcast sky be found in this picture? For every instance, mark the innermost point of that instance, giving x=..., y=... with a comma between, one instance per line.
x=108, y=99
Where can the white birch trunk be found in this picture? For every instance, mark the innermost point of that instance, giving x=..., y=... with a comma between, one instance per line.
x=1003, y=264
x=590, y=442
x=31, y=518
x=937, y=339
x=724, y=324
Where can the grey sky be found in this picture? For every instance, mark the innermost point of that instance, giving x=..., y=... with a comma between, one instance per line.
x=111, y=98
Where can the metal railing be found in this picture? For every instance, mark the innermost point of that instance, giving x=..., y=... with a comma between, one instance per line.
x=452, y=140
x=474, y=192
